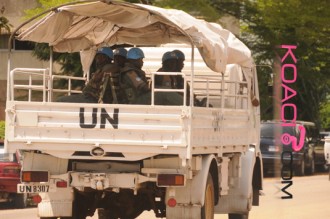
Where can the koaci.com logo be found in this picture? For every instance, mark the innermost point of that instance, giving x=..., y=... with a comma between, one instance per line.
x=287, y=139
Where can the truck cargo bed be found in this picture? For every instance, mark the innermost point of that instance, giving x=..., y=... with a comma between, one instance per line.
x=126, y=132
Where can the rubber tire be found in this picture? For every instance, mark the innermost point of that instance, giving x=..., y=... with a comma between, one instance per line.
x=207, y=211
x=56, y=217
x=102, y=214
x=20, y=200
x=301, y=170
x=238, y=216
x=311, y=169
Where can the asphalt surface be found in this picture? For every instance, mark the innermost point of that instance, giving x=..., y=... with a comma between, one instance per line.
x=311, y=199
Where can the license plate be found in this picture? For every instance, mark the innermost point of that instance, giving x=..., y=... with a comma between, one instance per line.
x=273, y=148
x=33, y=188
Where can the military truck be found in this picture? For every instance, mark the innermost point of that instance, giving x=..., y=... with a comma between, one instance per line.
x=185, y=161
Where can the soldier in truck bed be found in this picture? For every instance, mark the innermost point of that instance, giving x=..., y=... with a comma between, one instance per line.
x=103, y=86
x=169, y=64
x=133, y=81
x=119, y=57
x=103, y=61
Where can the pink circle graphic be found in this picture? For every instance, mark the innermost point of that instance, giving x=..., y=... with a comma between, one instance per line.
x=286, y=138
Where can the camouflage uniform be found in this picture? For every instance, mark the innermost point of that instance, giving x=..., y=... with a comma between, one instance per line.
x=92, y=88
x=104, y=85
x=135, y=85
x=110, y=89
x=102, y=88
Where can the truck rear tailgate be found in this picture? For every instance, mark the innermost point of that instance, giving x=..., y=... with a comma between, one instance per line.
x=69, y=130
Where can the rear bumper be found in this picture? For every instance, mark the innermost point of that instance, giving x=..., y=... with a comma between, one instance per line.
x=9, y=184
x=101, y=181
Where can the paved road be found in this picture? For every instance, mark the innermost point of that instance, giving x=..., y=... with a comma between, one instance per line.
x=311, y=199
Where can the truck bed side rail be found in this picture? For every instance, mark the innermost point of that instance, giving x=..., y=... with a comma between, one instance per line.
x=33, y=84
x=31, y=80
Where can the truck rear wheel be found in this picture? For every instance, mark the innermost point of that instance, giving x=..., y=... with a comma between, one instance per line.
x=207, y=211
x=20, y=200
x=56, y=218
x=311, y=169
x=301, y=168
x=238, y=216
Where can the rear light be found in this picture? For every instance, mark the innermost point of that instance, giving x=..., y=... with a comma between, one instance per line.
x=34, y=176
x=61, y=184
x=171, y=202
x=12, y=170
x=170, y=180
x=36, y=199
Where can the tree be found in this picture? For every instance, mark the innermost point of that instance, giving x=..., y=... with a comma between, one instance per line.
x=4, y=22
x=2, y=129
x=198, y=8
x=70, y=63
x=266, y=24
x=325, y=114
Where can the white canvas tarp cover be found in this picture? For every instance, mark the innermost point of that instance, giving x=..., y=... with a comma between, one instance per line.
x=89, y=26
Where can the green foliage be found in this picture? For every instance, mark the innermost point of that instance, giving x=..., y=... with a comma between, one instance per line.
x=267, y=24
x=4, y=22
x=325, y=115
x=2, y=129
x=198, y=8
x=43, y=6
x=70, y=63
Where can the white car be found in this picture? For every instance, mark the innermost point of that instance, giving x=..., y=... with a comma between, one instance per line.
x=325, y=137
x=327, y=151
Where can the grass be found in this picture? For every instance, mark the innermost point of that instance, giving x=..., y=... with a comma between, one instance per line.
x=2, y=129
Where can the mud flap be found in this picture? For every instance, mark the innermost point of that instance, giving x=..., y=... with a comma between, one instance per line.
x=190, y=198
x=183, y=212
x=239, y=198
x=56, y=204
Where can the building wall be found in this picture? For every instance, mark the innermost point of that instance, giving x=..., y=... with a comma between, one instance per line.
x=2, y=99
x=21, y=59
x=14, y=12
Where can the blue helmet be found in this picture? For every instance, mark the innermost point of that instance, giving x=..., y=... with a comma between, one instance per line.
x=120, y=52
x=169, y=55
x=106, y=51
x=135, y=53
x=179, y=54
